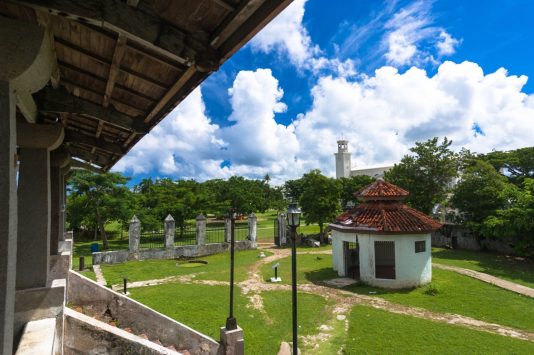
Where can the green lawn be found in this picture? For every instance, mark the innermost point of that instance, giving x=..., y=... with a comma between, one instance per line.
x=464, y=295
x=205, y=308
x=216, y=269
x=514, y=269
x=310, y=268
x=377, y=331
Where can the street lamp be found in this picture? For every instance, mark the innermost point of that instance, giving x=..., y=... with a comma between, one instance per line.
x=293, y=220
x=231, y=322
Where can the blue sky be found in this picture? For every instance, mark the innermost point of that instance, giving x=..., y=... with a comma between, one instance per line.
x=382, y=74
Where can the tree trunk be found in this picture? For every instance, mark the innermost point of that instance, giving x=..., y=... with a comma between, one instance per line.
x=95, y=236
x=105, y=245
x=321, y=236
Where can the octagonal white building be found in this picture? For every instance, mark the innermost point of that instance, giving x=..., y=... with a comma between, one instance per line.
x=382, y=241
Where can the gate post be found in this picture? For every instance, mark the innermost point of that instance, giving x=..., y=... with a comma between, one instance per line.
x=134, y=234
x=282, y=228
x=170, y=228
x=227, y=229
x=252, y=227
x=201, y=229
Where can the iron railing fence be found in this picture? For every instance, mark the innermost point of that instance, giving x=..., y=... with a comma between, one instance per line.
x=214, y=234
x=152, y=240
x=241, y=231
x=185, y=235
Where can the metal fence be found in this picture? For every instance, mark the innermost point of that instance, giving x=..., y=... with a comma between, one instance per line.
x=185, y=235
x=152, y=240
x=214, y=234
x=241, y=231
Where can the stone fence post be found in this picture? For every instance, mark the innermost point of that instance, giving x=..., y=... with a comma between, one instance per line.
x=134, y=234
x=170, y=229
x=201, y=229
x=252, y=227
x=282, y=228
x=227, y=229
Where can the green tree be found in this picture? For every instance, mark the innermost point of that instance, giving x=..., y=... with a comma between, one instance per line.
x=479, y=193
x=350, y=185
x=293, y=189
x=426, y=174
x=519, y=163
x=516, y=219
x=97, y=199
x=319, y=199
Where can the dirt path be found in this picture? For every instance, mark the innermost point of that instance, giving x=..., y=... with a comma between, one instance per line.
x=341, y=301
x=508, y=285
x=344, y=300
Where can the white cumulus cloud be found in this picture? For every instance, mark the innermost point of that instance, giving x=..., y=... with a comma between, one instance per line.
x=382, y=116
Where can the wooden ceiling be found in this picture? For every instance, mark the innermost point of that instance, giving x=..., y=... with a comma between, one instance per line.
x=124, y=65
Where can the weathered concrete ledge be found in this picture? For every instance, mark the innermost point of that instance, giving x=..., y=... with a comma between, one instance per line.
x=141, y=319
x=86, y=335
x=38, y=337
x=120, y=256
x=40, y=303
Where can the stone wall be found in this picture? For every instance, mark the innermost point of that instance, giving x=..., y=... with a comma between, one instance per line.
x=458, y=237
x=119, y=256
x=85, y=293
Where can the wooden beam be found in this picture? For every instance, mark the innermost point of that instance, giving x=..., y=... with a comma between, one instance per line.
x=228, y=45
x=61, y=101
x=224, y=5
x=120, y=48
x=78, y=86
x=105, y=61
x=78, y=152
x=170, y=94
x=119, y=17
x=79, y=138
x=92, y=75
x=99, y=129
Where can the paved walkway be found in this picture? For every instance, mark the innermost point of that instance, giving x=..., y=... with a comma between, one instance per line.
x=508, y=285
x=99, y=275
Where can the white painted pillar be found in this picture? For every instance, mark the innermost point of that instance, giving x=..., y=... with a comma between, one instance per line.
x=33, y=251
x=252, y=227
x=8, y=216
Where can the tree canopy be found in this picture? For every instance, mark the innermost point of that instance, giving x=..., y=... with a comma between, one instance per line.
x=427, y=173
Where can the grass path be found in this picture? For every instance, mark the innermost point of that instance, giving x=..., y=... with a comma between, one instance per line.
x=508, y=285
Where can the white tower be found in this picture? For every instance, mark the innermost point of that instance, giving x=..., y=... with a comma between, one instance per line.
x=342, y=159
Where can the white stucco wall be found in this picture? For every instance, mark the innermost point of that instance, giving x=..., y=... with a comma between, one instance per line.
x=411, y=268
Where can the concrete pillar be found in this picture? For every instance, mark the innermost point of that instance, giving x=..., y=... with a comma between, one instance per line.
x=134, y=235
x=227, y=229
x=8, y=216
x=282, y=228
x=252, y=227
x=232, y=341
x=170, y=229
x=62, y=201
x=33, y=251
x=201, y=229
x=55, y=187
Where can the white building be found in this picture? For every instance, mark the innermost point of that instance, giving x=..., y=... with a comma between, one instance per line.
x=343, y=164
x=382, y=241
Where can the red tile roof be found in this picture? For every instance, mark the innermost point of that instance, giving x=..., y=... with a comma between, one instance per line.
x=383, y=212
x=381, y=190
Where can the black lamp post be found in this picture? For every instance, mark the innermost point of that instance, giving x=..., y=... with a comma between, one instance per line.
x=293, y=220
x=231, y=322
